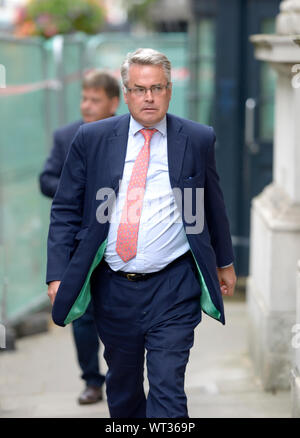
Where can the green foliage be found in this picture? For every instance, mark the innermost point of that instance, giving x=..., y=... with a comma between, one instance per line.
x=50, y=17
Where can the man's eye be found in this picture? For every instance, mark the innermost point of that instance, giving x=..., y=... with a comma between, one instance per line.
x=156, y=88
x=140, y=89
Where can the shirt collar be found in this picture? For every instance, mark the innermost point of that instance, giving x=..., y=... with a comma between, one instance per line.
x=135, y=126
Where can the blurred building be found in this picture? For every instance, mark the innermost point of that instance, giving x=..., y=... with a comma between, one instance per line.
x=171, y=15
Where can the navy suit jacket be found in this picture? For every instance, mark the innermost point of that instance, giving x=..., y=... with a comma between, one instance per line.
x=77, y=240
x=50, y=175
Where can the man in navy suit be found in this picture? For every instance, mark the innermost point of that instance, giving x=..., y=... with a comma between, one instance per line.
x=99, y=100
x=139, y=226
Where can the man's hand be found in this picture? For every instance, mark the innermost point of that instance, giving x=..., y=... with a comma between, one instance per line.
x=227, y=280
x=52, y=290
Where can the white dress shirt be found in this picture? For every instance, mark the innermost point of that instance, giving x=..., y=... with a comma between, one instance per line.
x=161, y=236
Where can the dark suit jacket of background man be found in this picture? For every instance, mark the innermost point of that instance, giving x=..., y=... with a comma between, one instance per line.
x=76, y=241
x=50, y=175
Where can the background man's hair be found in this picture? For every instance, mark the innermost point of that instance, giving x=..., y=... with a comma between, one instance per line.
x=145, y=57
x=102, y=79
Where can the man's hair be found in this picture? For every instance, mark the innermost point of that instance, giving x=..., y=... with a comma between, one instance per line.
x=102, y=79
x=145, y=57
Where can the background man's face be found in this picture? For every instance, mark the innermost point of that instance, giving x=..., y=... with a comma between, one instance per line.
x=147, y=109
x=96, y=105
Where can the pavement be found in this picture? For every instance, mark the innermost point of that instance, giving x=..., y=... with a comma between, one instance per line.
x=41, y=378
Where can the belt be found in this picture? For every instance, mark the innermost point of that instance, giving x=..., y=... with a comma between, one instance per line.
x=137, y=276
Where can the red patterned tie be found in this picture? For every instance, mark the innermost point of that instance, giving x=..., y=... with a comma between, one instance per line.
x=129, y=226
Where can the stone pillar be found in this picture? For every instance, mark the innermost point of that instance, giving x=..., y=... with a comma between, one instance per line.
x=275, y=214
x=288, y=21
x=295, y=374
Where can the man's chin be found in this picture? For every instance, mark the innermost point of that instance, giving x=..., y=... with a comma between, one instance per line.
x=149, y=118
x=89, y=119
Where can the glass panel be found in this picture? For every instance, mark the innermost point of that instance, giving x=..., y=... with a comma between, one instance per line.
x=24, y=218
x=72, y=66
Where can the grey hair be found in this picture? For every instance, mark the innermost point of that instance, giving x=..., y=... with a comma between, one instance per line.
x=145, y=57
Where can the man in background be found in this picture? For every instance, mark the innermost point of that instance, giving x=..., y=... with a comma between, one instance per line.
x=100, y=100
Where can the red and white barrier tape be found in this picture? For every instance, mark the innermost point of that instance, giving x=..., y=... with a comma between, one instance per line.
x=54, y=84
x=48, y=84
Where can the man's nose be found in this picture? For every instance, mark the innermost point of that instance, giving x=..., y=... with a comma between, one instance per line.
x=85, y=104
x=149, y=95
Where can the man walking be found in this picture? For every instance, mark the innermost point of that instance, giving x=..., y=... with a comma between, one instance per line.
x=151, y=252
x=99, y=100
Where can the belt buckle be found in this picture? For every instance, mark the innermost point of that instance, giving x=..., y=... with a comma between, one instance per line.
x=130, y=276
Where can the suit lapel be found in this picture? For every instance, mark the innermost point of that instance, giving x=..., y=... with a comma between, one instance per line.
x=117, y=146
x=176, y=148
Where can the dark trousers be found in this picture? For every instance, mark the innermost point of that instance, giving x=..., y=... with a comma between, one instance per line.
x=87, y=347
x=157, y=315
